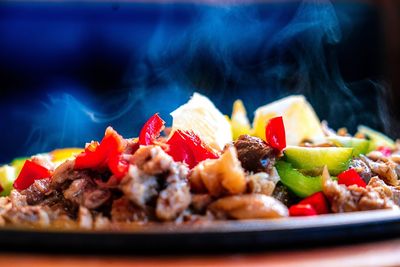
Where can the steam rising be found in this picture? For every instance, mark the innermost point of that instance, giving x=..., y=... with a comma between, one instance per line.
x=256, y=52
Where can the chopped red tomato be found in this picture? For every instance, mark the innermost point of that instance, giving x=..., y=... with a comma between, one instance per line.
x=275, y=133
x=302, y=210
x=318, y=201
x=187, y=147
x=151, y=130
x=30, y=172
x=351, y=177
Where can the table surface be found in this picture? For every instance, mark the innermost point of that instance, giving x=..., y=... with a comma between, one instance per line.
x=381, y=253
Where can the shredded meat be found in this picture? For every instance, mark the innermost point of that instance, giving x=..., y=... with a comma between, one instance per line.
x=254, y=154
x=355, y=198
x=83, y=192
x=174, y=199
x=385, y=170
x=139, y=187
x=262, y=182
x=65, y=172
x=362, y=169
x=124, y=210
x=156, y=176
x=37, y=191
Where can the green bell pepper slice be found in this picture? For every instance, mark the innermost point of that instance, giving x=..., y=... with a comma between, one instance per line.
x=359, y=145
x=302, y=185
x=313, y=159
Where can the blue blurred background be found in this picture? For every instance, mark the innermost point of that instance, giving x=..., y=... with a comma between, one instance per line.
x=69, y=69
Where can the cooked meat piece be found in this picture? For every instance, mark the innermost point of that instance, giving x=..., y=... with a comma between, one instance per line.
x=59, y=205
x=124, y=210
x=174, y=199
x=362, y=169
x=76, y=190
x=392, y=192
x=153, y=170
x=85, y=218
x=37, y=191
x=152, y=160
x=96, y=198
x=17, y=199
x=254, y=154
x=200, y=202
x=354, y=198
x=65, y=172
x=251, y=206
x=262, y=182
x=385, y=170
x=139, y=187
x=84, y=192
x=27, y=216
x=219, y=176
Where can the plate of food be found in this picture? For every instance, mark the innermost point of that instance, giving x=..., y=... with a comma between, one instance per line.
x=207, y=181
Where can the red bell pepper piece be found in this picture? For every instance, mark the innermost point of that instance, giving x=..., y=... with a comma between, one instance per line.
x=187, y=147
x=302, y=210
x=118, y=165
x=151, y=130
x=386, y=151
x=318, y=201
x=96, y=155
x=30, y=172
x=275, y=133
x=351, y=177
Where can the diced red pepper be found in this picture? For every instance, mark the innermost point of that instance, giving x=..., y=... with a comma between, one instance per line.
x=275, y=133
x=318, y=201
x=386, y=151
x=302, y=210
x=118, y=165
x=351, y=177
x=96, y=155
x=106, y=154
x=187, y=147
x=151, y=130
x=30, y=172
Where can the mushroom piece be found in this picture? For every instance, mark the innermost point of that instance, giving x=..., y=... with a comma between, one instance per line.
x=249, y=206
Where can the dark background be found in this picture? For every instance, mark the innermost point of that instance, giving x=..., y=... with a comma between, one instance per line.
x=67, y=70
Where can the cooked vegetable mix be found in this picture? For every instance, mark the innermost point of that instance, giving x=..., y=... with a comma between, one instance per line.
x=206, y=167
